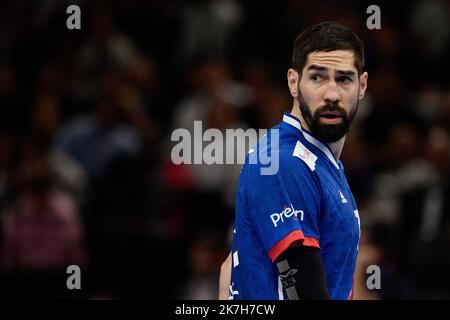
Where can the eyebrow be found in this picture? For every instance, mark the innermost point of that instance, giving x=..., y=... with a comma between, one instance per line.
x=346, y=72
x=340, y=72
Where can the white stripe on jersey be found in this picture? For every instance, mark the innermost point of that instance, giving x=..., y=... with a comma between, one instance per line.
x=311, y=139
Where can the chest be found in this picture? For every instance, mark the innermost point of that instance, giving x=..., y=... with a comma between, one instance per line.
x=339, y=217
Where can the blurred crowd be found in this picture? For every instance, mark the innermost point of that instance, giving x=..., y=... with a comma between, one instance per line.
x=86, y=117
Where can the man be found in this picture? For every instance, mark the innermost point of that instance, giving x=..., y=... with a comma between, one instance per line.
x=297, y=232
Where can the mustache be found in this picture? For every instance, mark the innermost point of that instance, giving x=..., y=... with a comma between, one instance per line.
x=331, y=108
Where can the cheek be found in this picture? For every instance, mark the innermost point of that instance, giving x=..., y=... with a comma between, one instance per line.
x=350, y=97
x=312, y=95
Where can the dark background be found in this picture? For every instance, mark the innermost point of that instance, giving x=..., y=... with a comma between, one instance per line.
x=86, y=117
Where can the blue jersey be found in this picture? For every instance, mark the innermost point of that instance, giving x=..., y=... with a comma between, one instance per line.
x=308, y=200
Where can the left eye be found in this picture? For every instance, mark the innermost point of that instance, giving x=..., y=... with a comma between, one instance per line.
x=344, y=79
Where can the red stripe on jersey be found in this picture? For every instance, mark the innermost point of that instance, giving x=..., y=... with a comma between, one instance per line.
x=284, y=243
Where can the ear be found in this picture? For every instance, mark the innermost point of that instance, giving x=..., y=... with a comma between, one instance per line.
x=363, y=84
x=293, y=79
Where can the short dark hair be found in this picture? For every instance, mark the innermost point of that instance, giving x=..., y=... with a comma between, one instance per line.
x=327, y=36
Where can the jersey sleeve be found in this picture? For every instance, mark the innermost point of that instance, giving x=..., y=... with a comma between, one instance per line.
x=285, y=206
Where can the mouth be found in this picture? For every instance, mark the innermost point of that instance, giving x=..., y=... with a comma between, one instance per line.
x=331, y=117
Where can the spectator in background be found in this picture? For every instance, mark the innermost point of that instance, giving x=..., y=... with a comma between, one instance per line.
x=201, y=283
x=208, y=27
x=218, y=101
x=68, y=173
x=42, y=228
x=108, y=143
x=96, y=138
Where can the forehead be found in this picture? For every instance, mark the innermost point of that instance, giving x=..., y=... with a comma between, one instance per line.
x=337, y=60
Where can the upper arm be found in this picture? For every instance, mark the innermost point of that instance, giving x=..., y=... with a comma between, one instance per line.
x=302, y=274
x=285, y=206
x=225, y=278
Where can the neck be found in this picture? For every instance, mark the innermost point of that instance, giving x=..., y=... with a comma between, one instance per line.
x=336, y=147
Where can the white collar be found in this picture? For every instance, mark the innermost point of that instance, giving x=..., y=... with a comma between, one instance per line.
x=322, y=147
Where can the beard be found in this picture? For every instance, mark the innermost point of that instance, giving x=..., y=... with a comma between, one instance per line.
x=324, y=132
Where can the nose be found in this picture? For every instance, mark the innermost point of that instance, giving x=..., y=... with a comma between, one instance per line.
x=331, y=93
